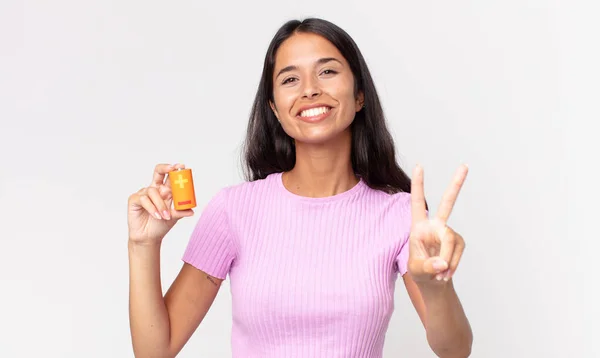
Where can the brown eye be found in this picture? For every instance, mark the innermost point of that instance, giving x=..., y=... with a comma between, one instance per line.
x=329, y=72
x=288, y=80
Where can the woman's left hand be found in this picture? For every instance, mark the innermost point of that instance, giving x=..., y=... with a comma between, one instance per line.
x=435, y=249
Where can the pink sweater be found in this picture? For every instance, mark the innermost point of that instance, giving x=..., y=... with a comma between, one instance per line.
x=310, y=277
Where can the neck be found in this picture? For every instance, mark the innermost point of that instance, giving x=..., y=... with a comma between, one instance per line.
x=322, y=170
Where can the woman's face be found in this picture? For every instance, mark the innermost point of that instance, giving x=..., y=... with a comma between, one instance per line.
x=313, y=89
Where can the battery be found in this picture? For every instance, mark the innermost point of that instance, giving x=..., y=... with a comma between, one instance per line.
x=182, y=189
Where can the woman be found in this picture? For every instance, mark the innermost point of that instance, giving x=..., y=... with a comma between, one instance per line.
x=314, y=240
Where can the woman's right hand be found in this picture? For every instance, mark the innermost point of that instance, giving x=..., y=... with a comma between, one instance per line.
x=150, y=215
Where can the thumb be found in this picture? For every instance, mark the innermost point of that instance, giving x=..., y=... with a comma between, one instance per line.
x=178, y=214
x=434, y=265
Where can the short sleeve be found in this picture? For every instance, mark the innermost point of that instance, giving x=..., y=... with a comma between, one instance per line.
x=403, y=218
x=210, y=247
x=402, y=258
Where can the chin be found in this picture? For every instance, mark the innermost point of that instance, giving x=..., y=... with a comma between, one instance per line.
x=313, y=140
x=321, y=137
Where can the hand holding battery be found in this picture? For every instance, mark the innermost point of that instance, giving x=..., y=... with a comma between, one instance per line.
x=154, y=210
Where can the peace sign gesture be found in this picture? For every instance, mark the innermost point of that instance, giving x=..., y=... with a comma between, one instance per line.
x=435, y=249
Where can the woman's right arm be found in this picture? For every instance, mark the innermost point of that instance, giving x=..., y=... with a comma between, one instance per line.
x=160, y=326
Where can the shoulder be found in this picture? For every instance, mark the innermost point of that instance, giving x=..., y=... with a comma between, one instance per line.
x=401, y=199
x=392, y=210
x=233, y=201
x=243, y=192
x=248, y=187
x=398, y=201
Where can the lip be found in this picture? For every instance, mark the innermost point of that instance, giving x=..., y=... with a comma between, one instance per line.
x=314, y=119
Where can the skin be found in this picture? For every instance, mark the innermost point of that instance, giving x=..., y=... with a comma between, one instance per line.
x=322, y=149
x=161, y=326
x=434, y=254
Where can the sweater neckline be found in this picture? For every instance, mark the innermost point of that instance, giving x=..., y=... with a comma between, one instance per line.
x=278, y=177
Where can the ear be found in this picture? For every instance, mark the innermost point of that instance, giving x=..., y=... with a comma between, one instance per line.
x=360, y=101
x=274, y=109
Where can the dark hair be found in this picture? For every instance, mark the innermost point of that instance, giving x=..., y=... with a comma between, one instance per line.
x=268, y=149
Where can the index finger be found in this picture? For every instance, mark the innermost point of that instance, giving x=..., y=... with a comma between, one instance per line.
x=451, y=193
x=161, y=170
x=417, y=196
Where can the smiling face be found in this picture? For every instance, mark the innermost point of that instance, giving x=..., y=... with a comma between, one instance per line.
x=313, y=89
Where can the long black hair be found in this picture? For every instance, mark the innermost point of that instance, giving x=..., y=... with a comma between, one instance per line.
x=268, y=149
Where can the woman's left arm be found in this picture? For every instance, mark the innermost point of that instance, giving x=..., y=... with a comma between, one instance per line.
x=448, y=330
x=434, y=253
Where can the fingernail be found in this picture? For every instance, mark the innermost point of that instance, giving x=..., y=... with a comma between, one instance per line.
x=448, y=275
x=157, y=215
x=438, y=277
x=439, y=265
x=166, y=215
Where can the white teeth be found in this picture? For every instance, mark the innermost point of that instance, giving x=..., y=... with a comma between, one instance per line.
x=314, y=112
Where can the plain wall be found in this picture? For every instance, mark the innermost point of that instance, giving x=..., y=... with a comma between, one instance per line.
x=94, y=93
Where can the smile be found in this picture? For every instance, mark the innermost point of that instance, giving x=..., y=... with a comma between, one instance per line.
x=315, y=114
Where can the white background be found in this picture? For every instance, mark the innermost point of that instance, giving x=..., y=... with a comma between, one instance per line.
x=94, y=93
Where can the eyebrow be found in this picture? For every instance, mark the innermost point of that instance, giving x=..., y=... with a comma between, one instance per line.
x=320, y=61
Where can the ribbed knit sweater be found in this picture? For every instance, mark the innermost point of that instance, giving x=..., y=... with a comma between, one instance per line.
x=309, y=277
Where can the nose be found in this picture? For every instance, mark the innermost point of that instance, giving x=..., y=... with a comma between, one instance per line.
x=311, y=89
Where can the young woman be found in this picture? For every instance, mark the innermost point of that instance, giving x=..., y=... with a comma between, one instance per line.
x=314, y=240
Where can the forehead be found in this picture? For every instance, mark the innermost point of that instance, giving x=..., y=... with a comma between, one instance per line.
x=304, y=49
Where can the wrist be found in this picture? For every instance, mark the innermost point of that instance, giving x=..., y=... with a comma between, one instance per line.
x=434, y=287
x=143, y=247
